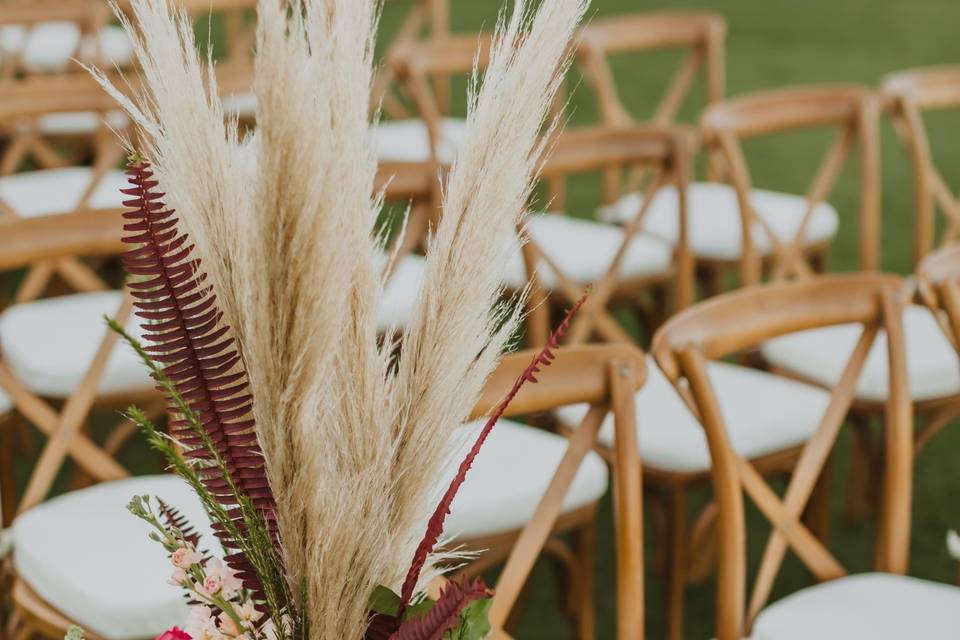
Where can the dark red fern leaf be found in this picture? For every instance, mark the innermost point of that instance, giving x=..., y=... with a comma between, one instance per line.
x=435, y=526
x=175, y=519
x=187, y=338
x=445, y=613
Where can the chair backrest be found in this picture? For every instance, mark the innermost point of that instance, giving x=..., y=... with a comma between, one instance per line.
x=908, y=95
x=666, y=154
x=853, y=111
x=701, y=34
x=606, y=377
x=424, y=18
x=740, y=321
x=423, y=69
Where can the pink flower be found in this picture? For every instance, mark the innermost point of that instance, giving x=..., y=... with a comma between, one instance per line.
x=248, y=612
x=219, y=578
x=176, y=633
x=185, y=557
x=177, y=579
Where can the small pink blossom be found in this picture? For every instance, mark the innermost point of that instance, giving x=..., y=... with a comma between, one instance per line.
x=185, y=557
x=248, y=612
x=219, y=578
x=200, y=624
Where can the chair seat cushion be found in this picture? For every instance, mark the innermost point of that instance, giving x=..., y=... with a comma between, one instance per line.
x=32, y=194
x=514, y=468
x=409, y=141
x=51, y=46
x=79, y=122
x=584, y=249
x=400, y=293
x=50, y=343
x=713, y=216
x=764, y=413
x=88, y=557
x=820, y=355
x=871, y=606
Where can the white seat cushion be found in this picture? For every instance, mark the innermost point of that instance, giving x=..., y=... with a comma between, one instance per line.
x=713, y=215
x=820, y=355
x=584, y=250
x=764, y=413
x=79, y=122
x=32, y=194
x=509, y=477
x=50, y=343
x=400, y=293
x=408, y=140
x=51, y=46
x=86, y=555
x=872, y=606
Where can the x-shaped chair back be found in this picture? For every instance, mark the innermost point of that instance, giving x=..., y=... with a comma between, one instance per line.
x=739, y=321
x=424, y=17
x=667, y=153
x=606, y=377
x=21, y=107
x=87, y=15
x=908, y=95
x=853, y=111
x=50, y=238
x=701, y=34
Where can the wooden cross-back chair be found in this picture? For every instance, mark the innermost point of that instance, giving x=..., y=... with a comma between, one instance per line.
x=57, y=188
x=701, y=34
x=422, y=69
x=429, y=18
x=59, y=362
x=562, y=255
x=790, y=238
x=605, y=377
x=908, y=95
x=870, y=605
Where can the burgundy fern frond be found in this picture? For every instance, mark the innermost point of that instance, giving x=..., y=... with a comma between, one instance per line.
x=175, y=519
x=189, y=341
x=435, y=525
x=445, y=613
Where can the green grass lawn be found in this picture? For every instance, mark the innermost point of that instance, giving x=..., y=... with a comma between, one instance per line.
x=773, y=43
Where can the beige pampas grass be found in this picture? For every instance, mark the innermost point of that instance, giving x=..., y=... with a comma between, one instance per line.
x=355, y=445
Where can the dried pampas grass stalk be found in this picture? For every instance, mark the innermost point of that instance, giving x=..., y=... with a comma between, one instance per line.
x=355, y=445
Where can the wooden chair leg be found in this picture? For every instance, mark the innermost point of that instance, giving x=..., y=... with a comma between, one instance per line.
x=8, y=494
x=676, y=579
x=586, y=545
x=817, y=514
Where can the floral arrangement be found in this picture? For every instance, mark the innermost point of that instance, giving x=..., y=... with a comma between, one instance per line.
x=314, y=442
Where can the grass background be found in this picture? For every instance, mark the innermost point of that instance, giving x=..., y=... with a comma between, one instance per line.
x=771, y=43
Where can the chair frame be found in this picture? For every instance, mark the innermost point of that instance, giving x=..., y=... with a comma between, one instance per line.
x=741, y=320
x=855, y=111
x=432, y=15
x=24, y=104
x=907, y=95
x=606, y=377
x=667, y=154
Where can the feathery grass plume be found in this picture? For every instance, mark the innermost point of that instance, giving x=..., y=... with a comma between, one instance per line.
x=284, y=223
x=456, y=332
